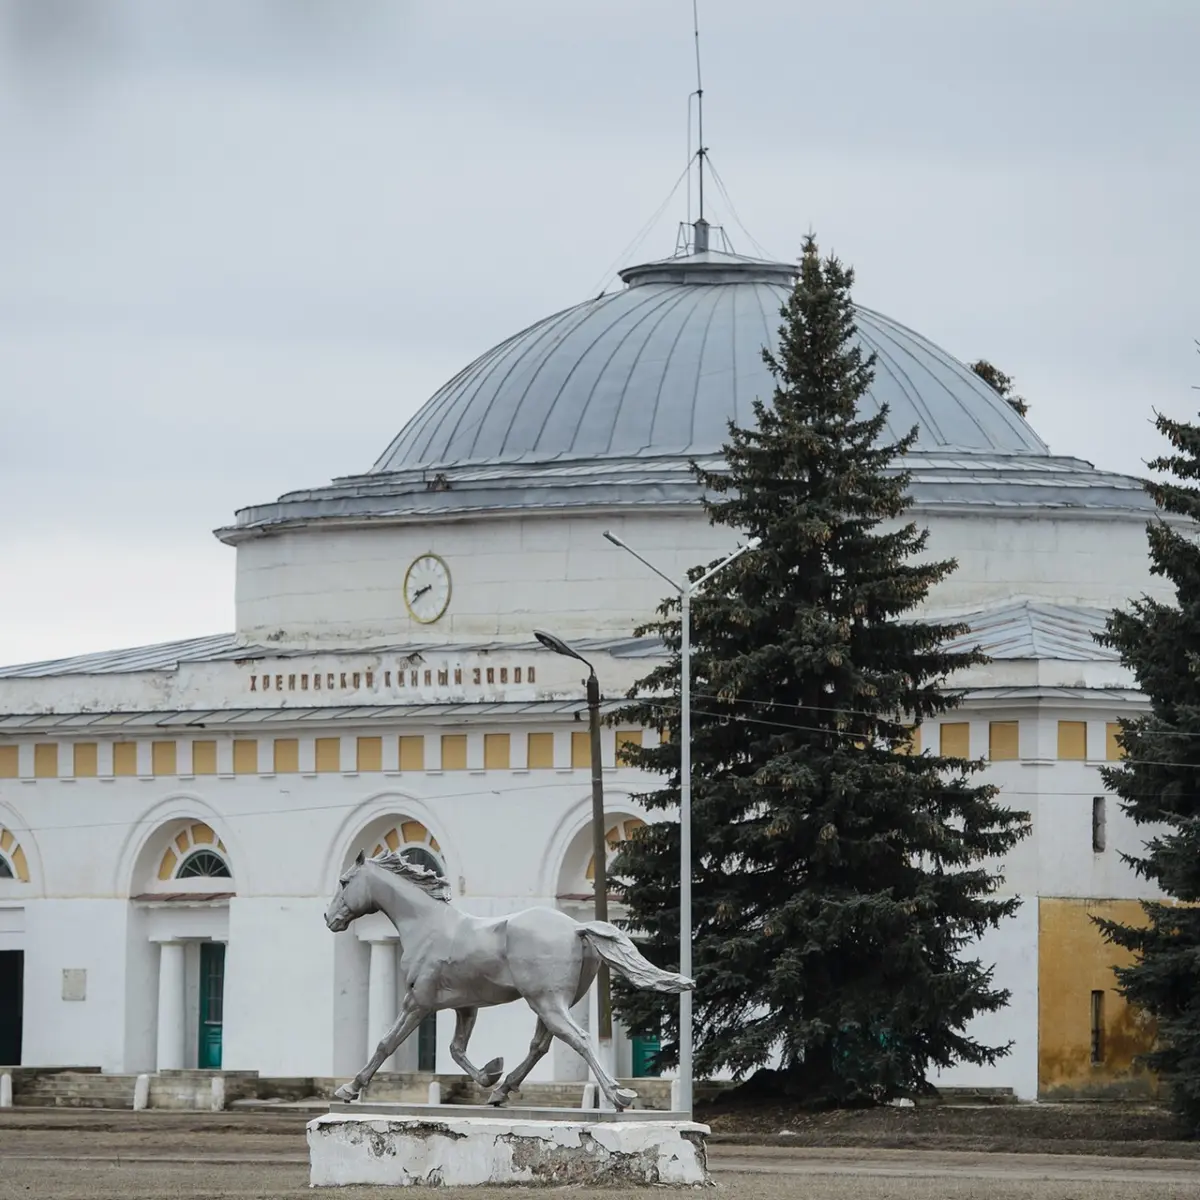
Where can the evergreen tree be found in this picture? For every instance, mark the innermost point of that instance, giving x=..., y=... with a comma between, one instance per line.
x=837, y=880
x=1159, y=779
x=999, y=382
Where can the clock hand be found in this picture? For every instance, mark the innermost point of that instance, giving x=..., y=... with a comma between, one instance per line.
x=421, y=591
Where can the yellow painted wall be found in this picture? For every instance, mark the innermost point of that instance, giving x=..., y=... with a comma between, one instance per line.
x=1073, y=961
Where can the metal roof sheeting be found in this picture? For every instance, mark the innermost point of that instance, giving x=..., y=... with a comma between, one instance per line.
x=1035, y=630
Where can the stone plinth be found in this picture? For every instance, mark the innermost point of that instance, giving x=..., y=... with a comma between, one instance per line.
x=462, y=1146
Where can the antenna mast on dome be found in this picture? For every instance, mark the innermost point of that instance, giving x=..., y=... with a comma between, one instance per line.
x=701, y=226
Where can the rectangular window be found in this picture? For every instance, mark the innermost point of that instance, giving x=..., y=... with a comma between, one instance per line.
x=412, y=752
x=204, y=758
x=124, y=758
x=626, y=737
x=1113, y=750
x=1072, y=740
x=454, y=751
x=541, y=751
x=9, y=762
x=86, y=760
x=581, y=748
x=329, y=755
x=913, y=744
x=45, y=760
x=370, y=754
x=1004, y=741
x=955, y=739
x=1097, y=1027
x=287, y=756
x=496, y=751
x=162, y=758
x=245, y=758
x=1099, y=838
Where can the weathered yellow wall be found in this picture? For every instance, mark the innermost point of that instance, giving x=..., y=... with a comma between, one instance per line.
x=1073, y=961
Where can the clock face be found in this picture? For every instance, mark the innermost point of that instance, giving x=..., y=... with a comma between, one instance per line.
x=427, y=588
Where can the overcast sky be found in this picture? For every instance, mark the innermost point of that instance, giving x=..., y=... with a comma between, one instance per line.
x=243, y=240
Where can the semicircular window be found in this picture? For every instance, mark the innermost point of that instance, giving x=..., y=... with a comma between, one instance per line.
x=203, y=864
x=421, y=857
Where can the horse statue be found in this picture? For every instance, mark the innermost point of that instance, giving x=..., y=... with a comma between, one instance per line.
x=450, y=959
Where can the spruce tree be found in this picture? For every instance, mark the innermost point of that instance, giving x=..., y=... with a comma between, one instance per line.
x=838, y=881
x=1159, y=778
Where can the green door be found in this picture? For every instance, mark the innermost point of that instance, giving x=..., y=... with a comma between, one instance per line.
x=212, y=1004
x=644, y=1050
x=427, y=1044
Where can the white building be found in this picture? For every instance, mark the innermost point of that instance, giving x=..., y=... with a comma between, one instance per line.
x=173, y=818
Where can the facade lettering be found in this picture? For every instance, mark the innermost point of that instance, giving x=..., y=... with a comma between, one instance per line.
x=404, y=678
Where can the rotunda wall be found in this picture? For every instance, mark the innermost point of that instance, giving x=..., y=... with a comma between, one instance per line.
x=320, y=586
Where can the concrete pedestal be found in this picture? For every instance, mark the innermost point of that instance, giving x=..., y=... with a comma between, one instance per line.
x=463, y=1146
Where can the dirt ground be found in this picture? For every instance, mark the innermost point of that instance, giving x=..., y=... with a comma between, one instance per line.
x=72, y=1154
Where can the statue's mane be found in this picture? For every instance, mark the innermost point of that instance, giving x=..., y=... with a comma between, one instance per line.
x=428, y=881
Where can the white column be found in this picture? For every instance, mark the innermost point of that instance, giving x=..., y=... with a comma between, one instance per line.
x=172, y=1035
x=381, y=996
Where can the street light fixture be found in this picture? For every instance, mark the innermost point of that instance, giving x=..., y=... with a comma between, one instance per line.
x=686, y=590
x=600, y=874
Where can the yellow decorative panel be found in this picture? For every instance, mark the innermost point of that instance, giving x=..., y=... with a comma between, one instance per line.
x=1072, y=740
x=6, y=840
x=412, y=753
x=163, y=758
x=391, y=839
x=541, y=751
x=183, y=842
x=204, y=758
x=413, y=831
x=1113, y=750
x=20, y=866
x=370, y=754
x=496, y=751
x=913, y=744
x=329, y=754
x=1074, y=962
x=626, y=737
x=85, y=755
x=1004, y=740
x=167, y=867
x=955, y=739
x=287, y=756
x=454, y=751
x=203, y=834
x=581, y=748
x=45, y=760
x=9, y=762
x=124, y=758
x=245, y=757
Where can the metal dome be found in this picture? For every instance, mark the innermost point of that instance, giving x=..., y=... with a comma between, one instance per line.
x=658, y=369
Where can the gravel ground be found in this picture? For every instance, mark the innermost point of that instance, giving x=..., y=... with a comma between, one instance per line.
x=196, y=1156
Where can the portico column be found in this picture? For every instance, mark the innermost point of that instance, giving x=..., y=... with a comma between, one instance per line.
x=172, y=1028
x=381, y=996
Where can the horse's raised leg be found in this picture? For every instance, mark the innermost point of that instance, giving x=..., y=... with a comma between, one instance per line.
x=515, y=1077
x=465, y=1022
x=411, y=1016
x=560, y=1023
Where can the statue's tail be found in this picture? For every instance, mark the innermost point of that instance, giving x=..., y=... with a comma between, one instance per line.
x=624, y=957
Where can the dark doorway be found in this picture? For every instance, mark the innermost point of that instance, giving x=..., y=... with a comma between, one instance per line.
x=12, y=994
x=212, y=1005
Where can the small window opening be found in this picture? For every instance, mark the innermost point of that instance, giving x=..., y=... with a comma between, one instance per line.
x=6, y=872
x=1097, y=1027
x=203, y=864
x=1099, y=839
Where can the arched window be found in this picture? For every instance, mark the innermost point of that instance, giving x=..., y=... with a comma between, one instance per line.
x=13, y=864
x=195, y=852
x=414, y=842
x=614, y=837
x=203, y=864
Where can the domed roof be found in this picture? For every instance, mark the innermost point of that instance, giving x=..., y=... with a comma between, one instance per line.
x=659, y=367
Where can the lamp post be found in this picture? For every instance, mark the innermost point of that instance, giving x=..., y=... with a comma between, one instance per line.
x=687, y=589
x=600, y=874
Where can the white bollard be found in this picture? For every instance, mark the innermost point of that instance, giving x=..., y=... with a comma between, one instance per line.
x=590, y=1092
x=435, y=1092
x=675, y=1101
x=6, y=1091
x=141, y=1093
x=218, y=1093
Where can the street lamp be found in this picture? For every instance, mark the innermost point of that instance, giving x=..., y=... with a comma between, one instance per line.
x=686, y=590
x=600, y=874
